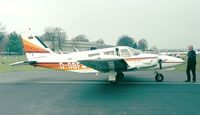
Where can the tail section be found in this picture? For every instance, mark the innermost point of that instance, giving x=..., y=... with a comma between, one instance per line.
x=34, y=47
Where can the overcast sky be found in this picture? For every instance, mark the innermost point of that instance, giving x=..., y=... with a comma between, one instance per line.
x=164, y=23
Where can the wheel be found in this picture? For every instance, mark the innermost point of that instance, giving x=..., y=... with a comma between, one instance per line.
x=119, y=75
x=159, y=77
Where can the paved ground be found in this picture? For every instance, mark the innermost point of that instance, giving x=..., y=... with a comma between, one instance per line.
x=59, y=93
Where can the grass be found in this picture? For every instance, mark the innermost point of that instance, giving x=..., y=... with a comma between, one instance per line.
x=6, y=60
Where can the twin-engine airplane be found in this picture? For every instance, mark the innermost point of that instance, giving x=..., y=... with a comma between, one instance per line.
x=113, y=61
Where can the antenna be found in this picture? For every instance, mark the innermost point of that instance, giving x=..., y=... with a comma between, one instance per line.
x=76, y=49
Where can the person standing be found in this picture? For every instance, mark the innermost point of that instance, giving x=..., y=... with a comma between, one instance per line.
x=191, y=64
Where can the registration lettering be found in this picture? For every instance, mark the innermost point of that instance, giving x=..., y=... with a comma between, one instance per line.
x=70, y=65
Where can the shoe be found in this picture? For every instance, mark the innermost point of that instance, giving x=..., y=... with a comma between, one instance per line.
x=187, y=80
x=194, y=81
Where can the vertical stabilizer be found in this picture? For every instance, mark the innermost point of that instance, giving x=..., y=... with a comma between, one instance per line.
x=34, y=47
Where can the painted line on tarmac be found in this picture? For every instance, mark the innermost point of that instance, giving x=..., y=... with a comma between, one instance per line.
x=106, y=82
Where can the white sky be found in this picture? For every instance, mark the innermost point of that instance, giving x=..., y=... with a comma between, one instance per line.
x=164, y=23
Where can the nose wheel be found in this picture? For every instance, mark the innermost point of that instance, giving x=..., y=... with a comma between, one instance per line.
x=159, y=77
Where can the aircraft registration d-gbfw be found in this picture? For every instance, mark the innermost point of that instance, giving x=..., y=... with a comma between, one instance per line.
x=114, y=60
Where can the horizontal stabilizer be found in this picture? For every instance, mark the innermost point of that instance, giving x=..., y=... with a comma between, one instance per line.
x=23, y=63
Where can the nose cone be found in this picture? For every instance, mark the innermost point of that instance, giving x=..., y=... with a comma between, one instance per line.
x=169, y=61
x=176, y=61
x=179, y=60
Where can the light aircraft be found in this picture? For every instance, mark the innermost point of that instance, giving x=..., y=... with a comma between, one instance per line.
x=114, y=60
x=179, y=54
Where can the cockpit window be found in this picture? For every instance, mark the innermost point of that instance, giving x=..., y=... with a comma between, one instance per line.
x=134, y=51
x=125, y=53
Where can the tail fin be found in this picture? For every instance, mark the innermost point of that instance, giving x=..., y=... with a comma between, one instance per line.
x=34, y=47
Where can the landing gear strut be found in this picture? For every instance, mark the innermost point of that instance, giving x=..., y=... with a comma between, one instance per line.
x=159, y=77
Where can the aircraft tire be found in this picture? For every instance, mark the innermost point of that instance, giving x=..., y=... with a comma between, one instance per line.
x=120, y=75
x=159, y=77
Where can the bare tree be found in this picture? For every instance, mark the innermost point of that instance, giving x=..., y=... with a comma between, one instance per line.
x=81, y=38
x=100, y=42
x=143, y=44
x=2, y=27
x=2, y=31
x=154, y=49
x=3, y=40
x=55, y=35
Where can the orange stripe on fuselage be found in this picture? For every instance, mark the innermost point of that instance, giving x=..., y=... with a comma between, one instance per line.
x=138, y=59
x=62, y=66
x=31, y=48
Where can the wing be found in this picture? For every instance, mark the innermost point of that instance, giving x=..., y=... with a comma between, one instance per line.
x=106, y=64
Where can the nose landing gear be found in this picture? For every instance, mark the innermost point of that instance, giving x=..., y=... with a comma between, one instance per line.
x=159, y=77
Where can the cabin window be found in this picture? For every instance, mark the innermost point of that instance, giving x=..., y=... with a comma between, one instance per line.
x=95, y=54
x=125, y=53
x=109, y=53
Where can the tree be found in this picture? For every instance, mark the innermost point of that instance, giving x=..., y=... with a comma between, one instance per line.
x=154, y=49
x=2, y=36
x=126, y=41
x=3, y=40
x=81, y=38
x=143, y=44
x=2, y=32
x=56, y=36
x=100, y=42
x=3, y=43
x=2, y=27
x=14, y=43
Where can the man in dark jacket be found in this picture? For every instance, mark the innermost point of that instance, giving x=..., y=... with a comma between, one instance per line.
x=191, y=64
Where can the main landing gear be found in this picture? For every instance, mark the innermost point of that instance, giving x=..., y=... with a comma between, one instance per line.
x=119, y=75
x=114, y=78
x=159, y=77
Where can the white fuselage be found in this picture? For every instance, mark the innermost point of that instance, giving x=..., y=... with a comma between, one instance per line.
x=135, y=59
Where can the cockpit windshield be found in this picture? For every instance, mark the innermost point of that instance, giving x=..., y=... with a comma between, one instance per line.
x=134, y=51
x=125, y=53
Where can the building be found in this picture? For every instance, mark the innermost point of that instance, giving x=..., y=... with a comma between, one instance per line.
x=70, y=46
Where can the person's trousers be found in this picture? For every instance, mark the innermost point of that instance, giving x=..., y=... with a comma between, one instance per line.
x=193, y=69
